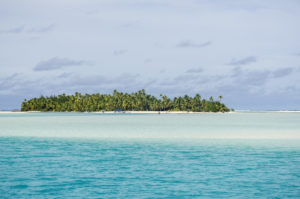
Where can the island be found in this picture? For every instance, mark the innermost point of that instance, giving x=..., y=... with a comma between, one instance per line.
x=118, y=101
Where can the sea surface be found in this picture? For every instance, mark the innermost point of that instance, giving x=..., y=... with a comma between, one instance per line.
x=95, y=155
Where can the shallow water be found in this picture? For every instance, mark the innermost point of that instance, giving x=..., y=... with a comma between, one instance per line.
x=119, y=126
x=45, y=155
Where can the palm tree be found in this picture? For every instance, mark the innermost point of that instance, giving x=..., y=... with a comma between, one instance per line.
x=220, y=97
x=134, y=101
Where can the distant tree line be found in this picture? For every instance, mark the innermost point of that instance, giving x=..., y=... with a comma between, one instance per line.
x=138, y=101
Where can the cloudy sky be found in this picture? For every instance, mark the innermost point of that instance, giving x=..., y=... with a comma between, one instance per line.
x=247, y=51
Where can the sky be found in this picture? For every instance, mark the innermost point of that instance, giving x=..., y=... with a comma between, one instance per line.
x=247, y=51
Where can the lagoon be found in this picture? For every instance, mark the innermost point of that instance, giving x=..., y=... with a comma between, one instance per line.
x=263, y=125
x=93, y=155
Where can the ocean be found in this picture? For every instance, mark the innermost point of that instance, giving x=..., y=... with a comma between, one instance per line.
x=95, y=155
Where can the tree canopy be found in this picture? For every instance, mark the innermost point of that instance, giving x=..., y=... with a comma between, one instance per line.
x=138, y=101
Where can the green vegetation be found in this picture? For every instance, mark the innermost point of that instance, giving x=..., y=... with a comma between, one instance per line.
x=139, y=101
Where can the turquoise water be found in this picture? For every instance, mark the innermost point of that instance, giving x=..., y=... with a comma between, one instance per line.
x=44, y=155
x=139, y=126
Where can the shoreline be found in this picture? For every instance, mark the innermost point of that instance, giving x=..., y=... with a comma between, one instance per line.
x=117, y=112
x=148, y=112
x=156, y=112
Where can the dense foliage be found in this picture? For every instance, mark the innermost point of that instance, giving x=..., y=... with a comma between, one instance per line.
x=139, y=101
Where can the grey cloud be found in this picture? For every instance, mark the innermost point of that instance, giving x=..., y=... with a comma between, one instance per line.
x=183, y=79
x=119, y=52
x=20, y=29
x=282, y=72
x=194, y=70
x=57, y=63
x=238, y=72
x=237, y=80
x=7, y=82
x=46, y=85
x=149, y=83
x=186, y=77
x=9, y=77
x=124, y=79
x=15, y=30
x=17, y=84
x=42, y=29
x=64, y=75
x=170, y=91
x=235, y=72
x=245, y=78
x=167, y=83
x=244, y=61
x=190, y=44
x=213, y=79
x=255, y=78
x=94, y=83
x=192, y=79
